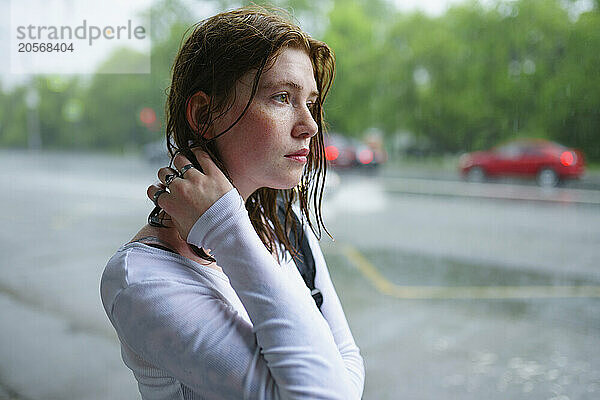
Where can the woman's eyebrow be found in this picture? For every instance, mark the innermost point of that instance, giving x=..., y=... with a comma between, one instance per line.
x=289, y=84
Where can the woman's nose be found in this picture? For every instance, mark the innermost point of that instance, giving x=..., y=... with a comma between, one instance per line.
x=307, y=126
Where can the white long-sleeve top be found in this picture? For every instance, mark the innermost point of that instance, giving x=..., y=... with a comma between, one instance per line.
x=251, y=332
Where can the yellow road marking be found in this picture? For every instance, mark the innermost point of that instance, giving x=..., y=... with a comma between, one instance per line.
x=388, y=288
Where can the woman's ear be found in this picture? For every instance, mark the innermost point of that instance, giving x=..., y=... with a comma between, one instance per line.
x=196, y=109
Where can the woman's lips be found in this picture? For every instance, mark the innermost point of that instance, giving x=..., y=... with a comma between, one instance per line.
x=299, y=156
x=301, y=159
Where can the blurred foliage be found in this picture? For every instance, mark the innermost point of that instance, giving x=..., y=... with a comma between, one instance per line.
x=468, y=79
x=477, y=76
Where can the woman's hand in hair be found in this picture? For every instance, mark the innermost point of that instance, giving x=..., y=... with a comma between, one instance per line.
x=189, y=197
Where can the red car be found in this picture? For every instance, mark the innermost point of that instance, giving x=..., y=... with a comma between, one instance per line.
x=547, y=161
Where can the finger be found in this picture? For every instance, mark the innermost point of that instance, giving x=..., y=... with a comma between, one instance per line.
x=157, y=194
x=164, y=173
x=153, y=188
x=185, y=168
x=160, y=185
x=205, y=161
x=180, y=161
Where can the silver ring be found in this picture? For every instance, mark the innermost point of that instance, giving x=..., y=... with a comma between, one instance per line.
x=169, y=178
x=157, y=195
x=184, y=169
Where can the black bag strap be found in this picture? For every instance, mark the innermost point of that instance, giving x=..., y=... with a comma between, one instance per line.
x=304, y=260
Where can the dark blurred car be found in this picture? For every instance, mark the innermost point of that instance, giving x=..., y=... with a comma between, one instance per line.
x=546, y=161
x=345, y=153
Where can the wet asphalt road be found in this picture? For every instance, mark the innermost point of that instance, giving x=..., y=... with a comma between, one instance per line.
x=448, y=296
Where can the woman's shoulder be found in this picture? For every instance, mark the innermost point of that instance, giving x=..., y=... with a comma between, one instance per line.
x=135, y=264
x=138, y=262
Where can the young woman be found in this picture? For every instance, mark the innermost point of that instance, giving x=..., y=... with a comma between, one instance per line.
x=206, y=299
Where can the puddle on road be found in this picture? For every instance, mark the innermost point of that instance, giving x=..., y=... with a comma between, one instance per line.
x=538, y=348
x=415, y=269
x=404, y=269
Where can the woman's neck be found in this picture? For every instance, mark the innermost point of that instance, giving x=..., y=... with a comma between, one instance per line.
x=169, y=238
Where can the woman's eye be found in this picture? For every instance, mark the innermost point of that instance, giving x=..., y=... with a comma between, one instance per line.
x=282, y=98
x=311, y=106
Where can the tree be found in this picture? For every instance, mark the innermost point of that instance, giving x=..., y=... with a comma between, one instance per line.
x=13, y=118
x=114, y=101
x=355, y=39
x=477, y=75
x=466, y=80
x=572, y=96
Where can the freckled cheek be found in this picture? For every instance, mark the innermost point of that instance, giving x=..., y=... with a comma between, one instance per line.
x=258, y=135
x=261, y=125
x=267, y=127
x=247, y=143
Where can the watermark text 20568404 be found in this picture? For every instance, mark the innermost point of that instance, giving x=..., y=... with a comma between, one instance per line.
x=26, y=47
x=89, y=37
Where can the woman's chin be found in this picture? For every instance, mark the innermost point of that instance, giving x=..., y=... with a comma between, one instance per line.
x=288, y=184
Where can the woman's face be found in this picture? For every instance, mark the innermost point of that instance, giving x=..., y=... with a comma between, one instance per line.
x=269, y=145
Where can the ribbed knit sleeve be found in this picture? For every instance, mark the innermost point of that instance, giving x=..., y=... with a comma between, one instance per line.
x=290, y=351
x=297, y=343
